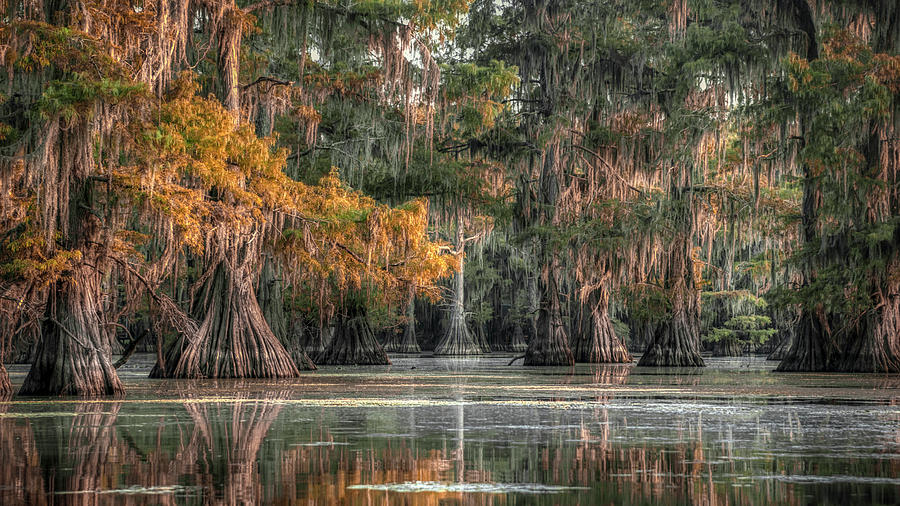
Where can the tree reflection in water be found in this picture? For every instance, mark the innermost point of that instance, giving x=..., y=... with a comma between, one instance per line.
x=264, y=449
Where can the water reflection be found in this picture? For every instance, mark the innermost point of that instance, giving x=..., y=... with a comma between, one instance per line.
x=493, y=438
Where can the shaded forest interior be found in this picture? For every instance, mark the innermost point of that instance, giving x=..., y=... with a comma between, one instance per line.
x=249, y=188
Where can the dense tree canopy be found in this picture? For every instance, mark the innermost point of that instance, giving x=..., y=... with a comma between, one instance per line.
x=269, y=185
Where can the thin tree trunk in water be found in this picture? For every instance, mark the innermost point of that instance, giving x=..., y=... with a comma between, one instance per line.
x=595, y=341
x=5, y=386
x=73, y=357
x=234, y=340
x=407, y=343
x=458, y=340
x=676, y=341
x=354, y=343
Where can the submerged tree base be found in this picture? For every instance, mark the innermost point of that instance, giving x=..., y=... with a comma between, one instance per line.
x=73, y=357
x=354, y=343
x=808, y=352
x=596, y=341
x=234, y=340
x=675, y=344
x=550, y=345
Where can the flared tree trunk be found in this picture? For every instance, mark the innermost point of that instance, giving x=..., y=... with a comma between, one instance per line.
x=406, y=342
x=481, y=340
x=875, y=347
x=314, y=344
x=787, y=332
x=550, y=344
x=727, y=348
x=676, y=340
x=234, y=340
x=809, y=351
x=595, y=340
x=73, y=356
x=457, y=340
x=354, y=343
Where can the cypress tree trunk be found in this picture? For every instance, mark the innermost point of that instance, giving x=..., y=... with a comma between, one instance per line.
x=5, y=386
x=550, y=344
x=727, y=348
x=270, y=296
x=676, y=340
x=810, y=350
x=458, y=340
x=354, y=343
x=271, y=299
x=406, y=342
x=875, y=346
x=787, y=332
x=234, y=340
x=314, y=344
x=73, y=357
x=481, y=339
x=595, y=340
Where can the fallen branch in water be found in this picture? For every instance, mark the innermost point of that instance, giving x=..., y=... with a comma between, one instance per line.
x=514, y=359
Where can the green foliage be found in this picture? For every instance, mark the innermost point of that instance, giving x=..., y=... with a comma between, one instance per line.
x=71, y=98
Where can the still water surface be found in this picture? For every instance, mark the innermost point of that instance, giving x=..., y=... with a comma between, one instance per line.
x=463, y=431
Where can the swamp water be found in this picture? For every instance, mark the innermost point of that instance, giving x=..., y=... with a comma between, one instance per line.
x=463, y=431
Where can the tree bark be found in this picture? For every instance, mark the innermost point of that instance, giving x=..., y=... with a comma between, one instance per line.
x=676, y=340
x=73, y=357
x=727, y=348
x=550, y=344
x=875, y=346
x=354, y=343
x=234, y=340
x=595, y=341
x=809, y=351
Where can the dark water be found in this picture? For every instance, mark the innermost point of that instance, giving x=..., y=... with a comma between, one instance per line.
x=443, y=431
